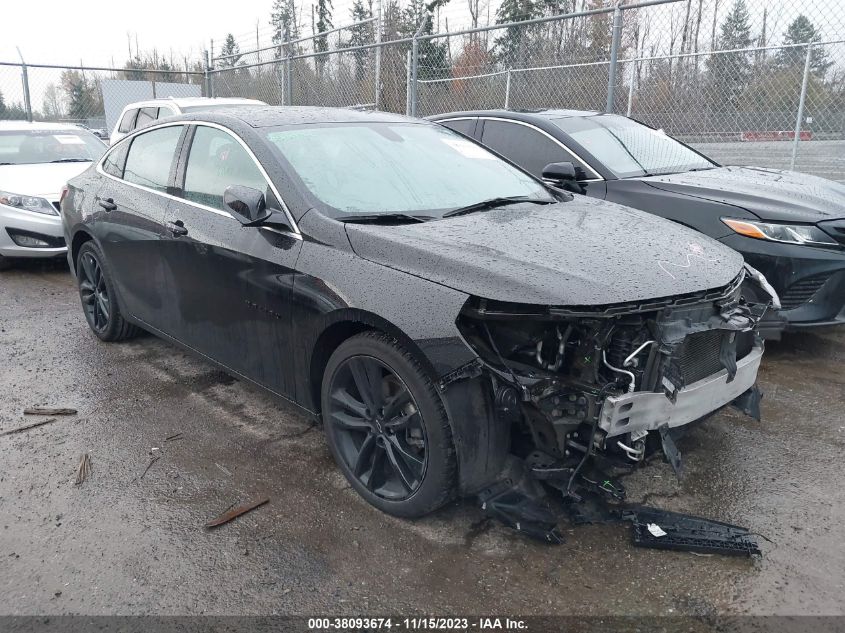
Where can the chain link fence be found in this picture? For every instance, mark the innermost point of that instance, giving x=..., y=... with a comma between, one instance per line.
x=746, y=81
x=88, y=96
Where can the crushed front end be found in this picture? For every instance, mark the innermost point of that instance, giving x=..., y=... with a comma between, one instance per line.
x=612, y=383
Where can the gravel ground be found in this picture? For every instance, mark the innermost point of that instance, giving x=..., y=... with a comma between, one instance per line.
x=132, y=542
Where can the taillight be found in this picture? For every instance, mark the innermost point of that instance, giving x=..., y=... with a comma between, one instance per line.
x=63, y=194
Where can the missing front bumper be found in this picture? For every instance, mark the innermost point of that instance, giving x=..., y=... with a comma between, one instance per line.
x=646, y=411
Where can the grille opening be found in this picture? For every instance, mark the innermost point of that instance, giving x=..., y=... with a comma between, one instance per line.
x=802, y=291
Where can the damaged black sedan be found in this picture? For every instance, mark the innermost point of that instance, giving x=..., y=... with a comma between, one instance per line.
x=459, y=327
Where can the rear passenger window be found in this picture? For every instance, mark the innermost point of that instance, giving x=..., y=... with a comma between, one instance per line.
x=464, y=126
x=128, y=121
x=151, y=156
x=217, y=160
x=525, y=146
x=145, y=115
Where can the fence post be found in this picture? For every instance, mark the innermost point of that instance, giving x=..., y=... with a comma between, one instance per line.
x=415, y=64
x=631, y=89
x=377, y=80
x=288, y=80
x=408, y=84
x=616, y=35
x=207, y=74
x=508, y=89
x=800, y=118
x=25, y=80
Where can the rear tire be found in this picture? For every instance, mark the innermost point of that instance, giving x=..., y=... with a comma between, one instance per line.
x=386, y=426
x=98, y=297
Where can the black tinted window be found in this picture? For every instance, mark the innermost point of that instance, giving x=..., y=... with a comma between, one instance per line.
x=145, y=115
x=151, y=156
x=525, y=146
x=216, y=161
x=126, y=123
x=114, y=162
x=464, y=126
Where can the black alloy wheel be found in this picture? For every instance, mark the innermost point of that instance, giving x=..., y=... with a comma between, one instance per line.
x=378, y=428
x=387, y=427
x=92, y=290
x=98, y=297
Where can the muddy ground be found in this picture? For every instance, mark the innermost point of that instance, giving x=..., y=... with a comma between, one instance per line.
x=126, y=542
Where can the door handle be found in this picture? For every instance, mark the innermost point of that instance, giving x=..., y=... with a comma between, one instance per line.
x=107, y=203
x=177, y=228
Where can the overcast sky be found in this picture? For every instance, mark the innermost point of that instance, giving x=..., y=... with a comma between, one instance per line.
x=96, y=31
x=59, y=31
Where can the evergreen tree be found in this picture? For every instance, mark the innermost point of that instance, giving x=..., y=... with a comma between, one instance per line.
x=283, y=20
x=2, y=104
x=730, y=73
x=513, y=47
x=324, y=23
x=361, y=35
x=230, y=53
x=802, y=31
x=433, y=53
x=83, y=95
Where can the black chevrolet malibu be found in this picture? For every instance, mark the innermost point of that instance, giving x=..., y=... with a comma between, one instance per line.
x=457, y=325
x=789, y=226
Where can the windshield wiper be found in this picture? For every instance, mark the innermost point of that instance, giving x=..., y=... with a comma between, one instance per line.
x=71, y=160
x=494, y=203
x=383, y=218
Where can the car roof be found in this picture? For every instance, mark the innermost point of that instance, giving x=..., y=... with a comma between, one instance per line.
x=519, y=115
x=294, y=115
x=187, y=102
x=23, y=126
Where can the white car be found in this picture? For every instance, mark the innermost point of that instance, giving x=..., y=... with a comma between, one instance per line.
x=36, y=160
x=137, y=114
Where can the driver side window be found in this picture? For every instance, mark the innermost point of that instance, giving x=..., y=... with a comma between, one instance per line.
x=215, y=161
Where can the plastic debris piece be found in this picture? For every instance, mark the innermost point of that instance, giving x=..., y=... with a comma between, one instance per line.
x=655, y=530
x=236, y=512
x=689, y=533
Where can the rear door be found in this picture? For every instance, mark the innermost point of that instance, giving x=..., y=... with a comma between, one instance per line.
x=130, y=208
x=533, y=149
x=231, y=285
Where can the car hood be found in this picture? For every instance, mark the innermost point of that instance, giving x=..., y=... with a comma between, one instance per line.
x=771, y=194
x=580, y=253
x=43, y=180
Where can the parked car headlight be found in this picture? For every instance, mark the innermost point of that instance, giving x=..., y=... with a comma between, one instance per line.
x=788, y=233
x=27, y=203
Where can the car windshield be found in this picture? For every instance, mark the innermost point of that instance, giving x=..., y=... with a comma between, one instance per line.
x=29, y=147
x=630, y=149
x=397, y=168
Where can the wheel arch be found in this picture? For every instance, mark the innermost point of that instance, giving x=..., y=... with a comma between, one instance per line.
x=342, y=325
x=80, y=237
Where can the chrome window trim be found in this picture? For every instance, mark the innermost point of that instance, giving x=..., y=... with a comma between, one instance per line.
x=597, y=178
x=295, y=232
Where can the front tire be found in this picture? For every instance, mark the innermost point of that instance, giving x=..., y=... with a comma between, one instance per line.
x=386, y=426
x=5, y=263
x=98, y=297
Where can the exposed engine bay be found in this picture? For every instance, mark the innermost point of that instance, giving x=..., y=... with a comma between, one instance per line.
x=610, y=383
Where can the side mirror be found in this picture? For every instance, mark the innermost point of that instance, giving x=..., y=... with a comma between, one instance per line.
x=560, y=172
x=246, y=204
